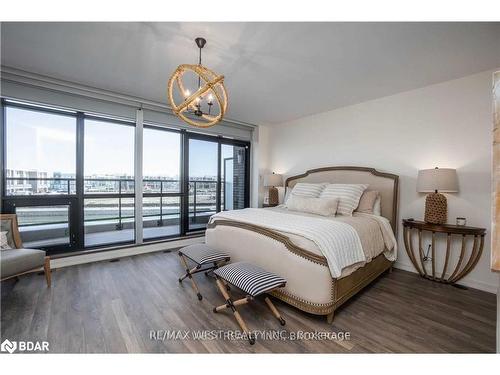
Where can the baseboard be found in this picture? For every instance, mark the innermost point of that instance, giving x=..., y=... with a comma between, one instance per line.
x=120, y=253
x=490, y=288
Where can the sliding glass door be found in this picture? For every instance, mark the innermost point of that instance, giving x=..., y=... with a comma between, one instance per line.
x=217, y=177
x=108, y=204
x=203, y=181
x=161, y=205
x=233, y=177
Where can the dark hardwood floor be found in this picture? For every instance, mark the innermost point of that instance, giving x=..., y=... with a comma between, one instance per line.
x=113, y=306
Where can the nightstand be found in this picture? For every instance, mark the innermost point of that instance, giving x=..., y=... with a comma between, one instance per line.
x=464, y=265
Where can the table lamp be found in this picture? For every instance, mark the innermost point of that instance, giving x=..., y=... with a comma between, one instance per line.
x=271, y=181
x=436, y=181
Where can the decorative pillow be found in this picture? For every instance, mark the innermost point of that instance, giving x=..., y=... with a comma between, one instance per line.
x=305, y=189
x=347, y=194
x=288, y=192
x=377, y=209
x=4, y=241
x=318, y=206
x=367, y=201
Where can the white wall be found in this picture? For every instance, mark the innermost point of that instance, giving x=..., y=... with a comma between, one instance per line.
x=445, y=125
x=260, y=163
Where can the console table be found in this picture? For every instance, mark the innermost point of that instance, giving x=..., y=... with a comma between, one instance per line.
x=465, y=263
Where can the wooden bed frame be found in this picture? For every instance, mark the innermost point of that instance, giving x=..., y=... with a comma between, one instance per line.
x=344, y=288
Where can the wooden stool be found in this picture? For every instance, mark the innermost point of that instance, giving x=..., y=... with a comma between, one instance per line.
x=202, y=255
x=252, y=280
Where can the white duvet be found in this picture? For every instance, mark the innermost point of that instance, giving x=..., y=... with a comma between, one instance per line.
x=338, y=241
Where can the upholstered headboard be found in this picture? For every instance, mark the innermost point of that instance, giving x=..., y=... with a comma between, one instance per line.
x=385, y=183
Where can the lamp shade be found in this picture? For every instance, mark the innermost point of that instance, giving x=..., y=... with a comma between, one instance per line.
x=273, y=180
x=444, y=180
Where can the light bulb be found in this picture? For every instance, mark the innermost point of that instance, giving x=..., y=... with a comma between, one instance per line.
x=187, y=93
x=210, y=99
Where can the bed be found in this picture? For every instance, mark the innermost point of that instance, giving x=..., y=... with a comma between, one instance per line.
x=257, y=236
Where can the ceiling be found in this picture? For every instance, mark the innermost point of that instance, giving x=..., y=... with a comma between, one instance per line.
x=274, y=71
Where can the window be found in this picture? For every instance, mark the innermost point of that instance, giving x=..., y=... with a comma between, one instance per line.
x=217, y=177
x=70, y=178
x=108, y=182
x=39, y=174
x=161, y=183
x=40, y=152
x=108, y=220
x=233, y=174
x=202, y=181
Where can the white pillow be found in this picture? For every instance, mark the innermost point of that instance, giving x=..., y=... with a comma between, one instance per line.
x=288, y=192
x=4, y=242
x=318, y=206
x=377, y=208
x=347, y=194
x=305, y=189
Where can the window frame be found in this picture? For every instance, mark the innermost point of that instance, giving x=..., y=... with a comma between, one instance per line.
x=76, y=201
x=11, y=202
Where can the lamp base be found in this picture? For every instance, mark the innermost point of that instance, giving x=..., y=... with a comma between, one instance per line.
x=273, y=196
x=436, y=209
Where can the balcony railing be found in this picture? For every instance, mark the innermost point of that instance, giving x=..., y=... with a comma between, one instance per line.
x=104, y=188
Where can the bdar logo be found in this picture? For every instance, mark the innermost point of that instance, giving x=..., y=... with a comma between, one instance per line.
x=8, y=346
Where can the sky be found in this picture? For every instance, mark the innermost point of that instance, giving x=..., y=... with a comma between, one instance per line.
x=47, y=143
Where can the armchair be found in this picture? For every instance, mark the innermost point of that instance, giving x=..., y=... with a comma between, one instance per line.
x=15, y=260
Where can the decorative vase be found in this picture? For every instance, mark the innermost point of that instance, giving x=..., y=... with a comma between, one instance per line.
x=273, y=196
x=436, y=209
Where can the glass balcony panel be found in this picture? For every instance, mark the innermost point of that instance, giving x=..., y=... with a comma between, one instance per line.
x=108, y=186
x=108, y=220
x=43, y=226
x=202, y=202
x=161, y=217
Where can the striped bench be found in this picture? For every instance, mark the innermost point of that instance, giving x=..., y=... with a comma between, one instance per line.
x=252, y=280
x=201, y=255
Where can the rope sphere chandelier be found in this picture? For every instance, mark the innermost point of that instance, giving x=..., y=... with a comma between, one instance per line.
x=196, y=108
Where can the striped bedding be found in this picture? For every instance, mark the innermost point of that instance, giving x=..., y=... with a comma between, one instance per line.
x=338, y=241
x=347, y=194
x=304, y=189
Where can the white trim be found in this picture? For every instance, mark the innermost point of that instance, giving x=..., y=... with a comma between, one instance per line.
x=138, y=188
x=120, y=253
x=467, y=282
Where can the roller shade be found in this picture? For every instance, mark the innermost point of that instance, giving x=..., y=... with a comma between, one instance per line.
x=47, y=91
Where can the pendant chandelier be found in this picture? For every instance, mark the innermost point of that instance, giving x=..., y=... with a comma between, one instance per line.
x=207, y=105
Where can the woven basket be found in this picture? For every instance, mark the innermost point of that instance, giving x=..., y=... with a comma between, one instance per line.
x=436, y=209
